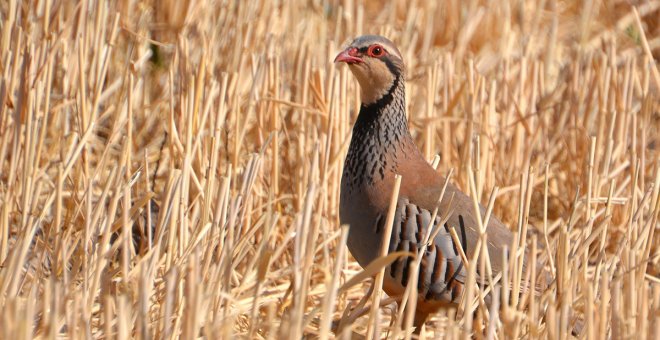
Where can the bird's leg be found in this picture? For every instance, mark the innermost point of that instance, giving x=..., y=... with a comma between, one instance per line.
x=477, y=322
x=420, y=319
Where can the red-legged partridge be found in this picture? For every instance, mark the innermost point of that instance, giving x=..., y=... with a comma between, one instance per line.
x=381, y=146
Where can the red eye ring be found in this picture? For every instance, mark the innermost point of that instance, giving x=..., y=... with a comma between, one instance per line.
x=376, y=51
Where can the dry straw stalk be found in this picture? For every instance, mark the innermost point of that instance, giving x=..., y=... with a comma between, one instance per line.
x=171, y=169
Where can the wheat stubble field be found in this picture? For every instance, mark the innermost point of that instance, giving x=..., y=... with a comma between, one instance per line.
x=224, y=125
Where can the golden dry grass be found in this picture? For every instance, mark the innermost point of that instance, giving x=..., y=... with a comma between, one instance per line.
x=225, y=124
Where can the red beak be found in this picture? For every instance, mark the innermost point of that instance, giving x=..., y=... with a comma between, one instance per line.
x=349, y=56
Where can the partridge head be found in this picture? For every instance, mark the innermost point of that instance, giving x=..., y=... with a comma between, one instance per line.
x=376, y=63
x=381, y=147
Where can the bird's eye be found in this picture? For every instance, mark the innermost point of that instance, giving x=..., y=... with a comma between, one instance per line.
x=376, y=51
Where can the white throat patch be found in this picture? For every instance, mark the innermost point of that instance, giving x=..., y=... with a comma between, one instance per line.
x=375, y=79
